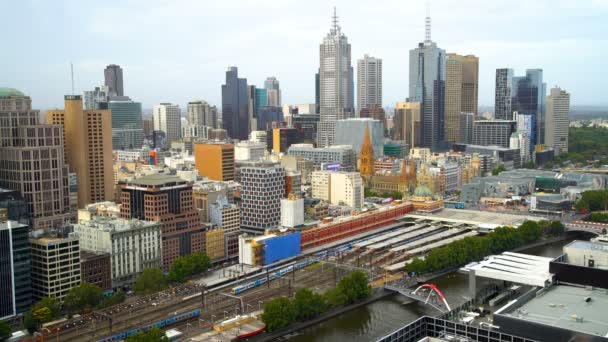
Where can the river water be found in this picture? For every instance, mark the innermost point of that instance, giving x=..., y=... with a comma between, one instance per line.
x=377, y=319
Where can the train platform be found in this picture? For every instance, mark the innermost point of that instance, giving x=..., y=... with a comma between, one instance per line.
x=228, y=273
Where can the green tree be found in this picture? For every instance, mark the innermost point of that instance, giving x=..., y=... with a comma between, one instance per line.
x=85, y=296
x=278, y=313
x=50, y=303
x=308, y=304
x=529, y=165
x=117, y=298
x=189, y=265
x=598, y=217
x=557, y=228
x=5, y=331
x=30, y=323
x=43, y=315
x=151, y=280
x=498, y=169
x=354, y=287
x=152, y=335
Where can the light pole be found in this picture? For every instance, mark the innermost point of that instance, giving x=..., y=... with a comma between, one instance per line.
x=260, y=305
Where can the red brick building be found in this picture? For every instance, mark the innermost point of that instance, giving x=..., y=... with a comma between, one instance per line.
x=168, y=199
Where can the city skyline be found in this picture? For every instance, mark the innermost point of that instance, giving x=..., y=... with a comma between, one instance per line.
x=562, y=51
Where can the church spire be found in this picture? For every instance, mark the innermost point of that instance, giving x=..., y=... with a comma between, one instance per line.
x=366, y=157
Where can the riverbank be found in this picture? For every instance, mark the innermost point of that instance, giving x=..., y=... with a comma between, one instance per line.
x=377, y=295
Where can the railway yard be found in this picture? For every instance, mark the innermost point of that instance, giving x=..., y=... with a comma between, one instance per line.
x=382, y=255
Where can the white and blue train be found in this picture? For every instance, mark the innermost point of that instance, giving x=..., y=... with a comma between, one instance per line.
x=159, y=324
x=274, y=274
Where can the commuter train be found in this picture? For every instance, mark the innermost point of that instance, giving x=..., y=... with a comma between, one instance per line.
x=159, y=324
x=274, y=274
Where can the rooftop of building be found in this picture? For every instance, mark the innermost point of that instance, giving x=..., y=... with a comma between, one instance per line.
x=9, y=92
x=588, y=246
x=115, y=224
x=47, y=240
x=475, y=217
x=568, y=307
x=156, y=180
x=332, y=147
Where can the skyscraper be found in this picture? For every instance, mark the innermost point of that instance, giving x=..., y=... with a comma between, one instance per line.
x=113, y=80
x=461, y=88
x=273, y=91
x=369, y=82
x=88, y=148
x=127, y=123
x=427, y=86
x=32, y=160
x=529, y=98
x=263, y=187
x=503, y=94
x=407, y=123
x=93, y=97
x=202, y=116
x=235, y=113
x=168, y=118
x=557, y=120
x=15, y=268
x=493, y=132
x=336, y=88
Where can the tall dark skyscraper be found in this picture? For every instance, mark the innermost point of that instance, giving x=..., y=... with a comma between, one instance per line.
x=113, y=79
x=529, y=98
x=16, y=288
x=427, y=86
x=235, y=105
x=502, y=94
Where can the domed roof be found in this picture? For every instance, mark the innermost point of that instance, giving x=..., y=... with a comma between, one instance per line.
x=423, y=191
x=6, y=92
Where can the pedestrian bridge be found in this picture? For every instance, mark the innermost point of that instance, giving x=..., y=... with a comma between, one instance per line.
x=428, y=294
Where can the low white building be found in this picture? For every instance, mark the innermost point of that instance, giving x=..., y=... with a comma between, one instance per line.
x=249, y=150
x=141, y=155
x=340, y=188
x=134, y=245
x=292, y=212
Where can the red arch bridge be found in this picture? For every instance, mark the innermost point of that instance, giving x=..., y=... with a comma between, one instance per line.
x=428, y=294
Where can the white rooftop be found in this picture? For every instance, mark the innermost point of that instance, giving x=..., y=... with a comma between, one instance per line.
x=514, y=267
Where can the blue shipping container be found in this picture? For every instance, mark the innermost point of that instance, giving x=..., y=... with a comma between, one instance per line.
x=282, y=247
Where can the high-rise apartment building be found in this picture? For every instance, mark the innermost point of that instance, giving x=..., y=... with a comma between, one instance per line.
x=88, y=148
x=127, y=123
x=202, y=115
x=235, y=105
x=263, y=186
x=113, y=80
x=369, y=82
x=461, y=89
x=521, y=141
x=133, y=245
x=55, y=266
x=427, y=86
x=32, y=160
x=273, y=91
x=557, y=120
x=503, y=110
x=16, y=289
x=227, y=216
x=214, y=160
x=166, y=199
x=466, y=128
x=493, y=132
x=336, y=83
x=529, y=95
x=92, y=98
x=168, y=118
x=407, y=123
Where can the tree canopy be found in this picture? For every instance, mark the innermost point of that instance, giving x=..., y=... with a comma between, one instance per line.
x=5, y=331
x=85, y=296
x=152, y=335
x=278, y=313
x=151, y=280
x=189, y=265
x=498, y=169
x=308, y=304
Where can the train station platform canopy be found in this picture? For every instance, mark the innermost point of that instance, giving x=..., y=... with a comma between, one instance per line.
x=514, y=267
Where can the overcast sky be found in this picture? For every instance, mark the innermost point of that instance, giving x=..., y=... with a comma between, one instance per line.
x=177, y=51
